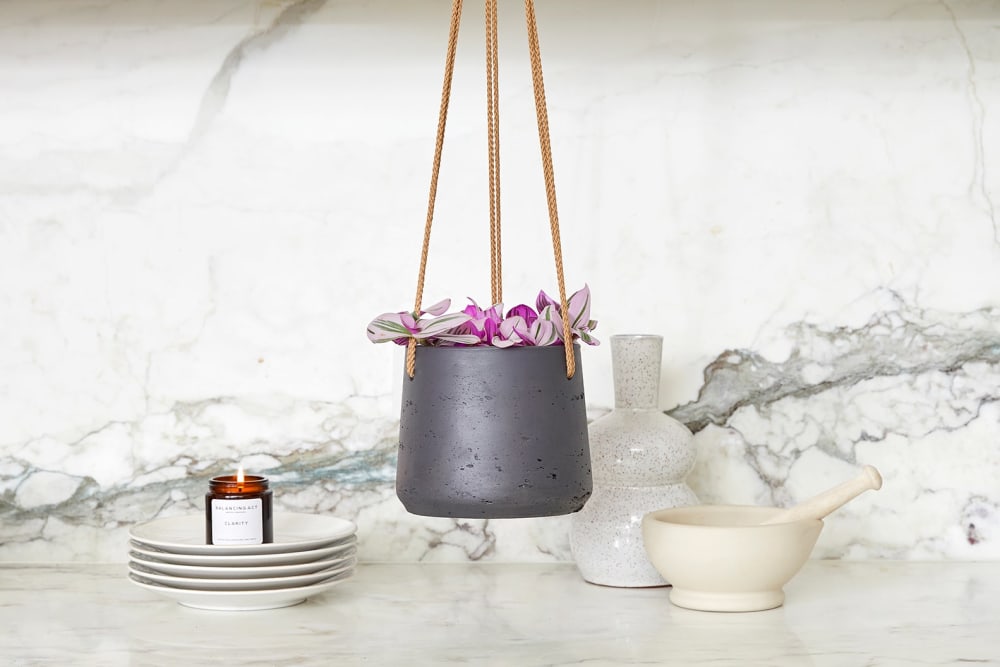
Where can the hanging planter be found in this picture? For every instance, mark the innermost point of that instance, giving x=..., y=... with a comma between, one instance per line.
x=493, y=421
x=491, y=426
x=491, y=432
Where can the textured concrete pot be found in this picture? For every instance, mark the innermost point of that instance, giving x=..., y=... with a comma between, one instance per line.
x=493, y=433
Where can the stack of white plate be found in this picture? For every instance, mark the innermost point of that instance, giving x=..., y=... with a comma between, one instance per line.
x=310, y=554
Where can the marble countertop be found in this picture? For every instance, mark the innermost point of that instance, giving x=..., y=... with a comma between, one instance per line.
x=836, y=613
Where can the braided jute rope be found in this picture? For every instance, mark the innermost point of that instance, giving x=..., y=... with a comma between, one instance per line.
x=550, y=181
x=449, y=70
x=493, y=144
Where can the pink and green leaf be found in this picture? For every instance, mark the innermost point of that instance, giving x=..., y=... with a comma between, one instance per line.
x=386, y=327
x=543, y=332
x=476, y=326
x=498, y=341
x=439, y=308
x=458, y=339
x=579, y=308
x=431, y=327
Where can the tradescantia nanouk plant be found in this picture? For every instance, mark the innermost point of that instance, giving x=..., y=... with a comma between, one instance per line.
x=521, y=326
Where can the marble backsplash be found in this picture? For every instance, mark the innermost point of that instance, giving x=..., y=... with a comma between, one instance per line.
x=203, y=203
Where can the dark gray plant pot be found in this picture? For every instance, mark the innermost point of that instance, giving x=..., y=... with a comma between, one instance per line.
x=493, y=433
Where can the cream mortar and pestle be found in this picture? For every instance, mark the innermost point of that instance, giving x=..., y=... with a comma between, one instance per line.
x=738, y=557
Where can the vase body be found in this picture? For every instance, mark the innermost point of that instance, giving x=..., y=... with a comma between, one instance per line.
x=640, y=458
x=493, y=433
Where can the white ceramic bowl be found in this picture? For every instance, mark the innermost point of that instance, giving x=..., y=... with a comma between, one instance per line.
x=718, y=557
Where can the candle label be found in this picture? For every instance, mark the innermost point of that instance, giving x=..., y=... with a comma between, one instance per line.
x=237, y=521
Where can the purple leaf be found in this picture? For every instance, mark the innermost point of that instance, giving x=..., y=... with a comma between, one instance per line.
x=490, y=329
x=495, y=313
x=524, y=311
x=470, y=329
x=483, y=323
x=473, y=310
x=474, y=326
x=544, y=300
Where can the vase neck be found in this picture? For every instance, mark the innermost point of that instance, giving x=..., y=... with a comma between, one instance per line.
x=635, y=360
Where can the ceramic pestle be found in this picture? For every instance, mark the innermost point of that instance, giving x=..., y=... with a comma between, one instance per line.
x=821, y=505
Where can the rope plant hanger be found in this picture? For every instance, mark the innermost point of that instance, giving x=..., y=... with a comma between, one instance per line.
x=495, y=430
x=493, y=149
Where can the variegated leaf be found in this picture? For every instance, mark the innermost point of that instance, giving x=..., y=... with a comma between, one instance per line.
x=438, y=308
x=386, y=327
x=543, y=332
x=462, y=339
x=579, y=308
x=434, y=326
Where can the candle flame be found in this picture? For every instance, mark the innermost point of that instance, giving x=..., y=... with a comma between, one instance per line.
x=239, y=475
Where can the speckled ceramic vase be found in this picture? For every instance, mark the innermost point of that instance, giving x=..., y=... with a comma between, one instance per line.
x=640, y=458
x=493, y=433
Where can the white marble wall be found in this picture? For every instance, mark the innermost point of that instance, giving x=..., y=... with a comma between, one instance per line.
x=202, y=203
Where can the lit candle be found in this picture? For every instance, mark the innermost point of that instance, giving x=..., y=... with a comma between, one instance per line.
x=238, y=510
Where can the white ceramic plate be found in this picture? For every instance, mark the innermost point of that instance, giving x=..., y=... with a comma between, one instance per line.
x=250, y=560
x=292, y=532
x=210, y=572
x=239, y=584
x=242, y=600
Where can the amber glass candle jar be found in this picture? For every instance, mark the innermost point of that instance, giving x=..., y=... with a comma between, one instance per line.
x=238, y=510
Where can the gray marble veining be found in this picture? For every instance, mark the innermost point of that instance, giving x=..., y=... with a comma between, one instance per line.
x=202, y=203
x=901, y=344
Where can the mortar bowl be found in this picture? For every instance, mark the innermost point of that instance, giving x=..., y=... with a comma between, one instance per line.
x=718, y=557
